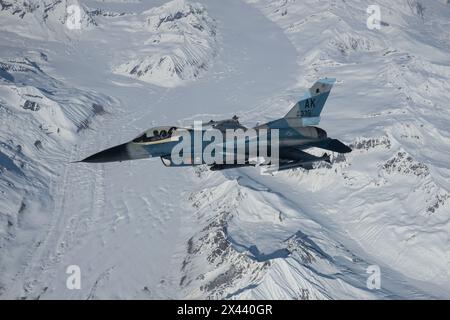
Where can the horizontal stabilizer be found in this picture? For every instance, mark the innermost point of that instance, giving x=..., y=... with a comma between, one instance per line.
x=333, y=145
x=290, y=153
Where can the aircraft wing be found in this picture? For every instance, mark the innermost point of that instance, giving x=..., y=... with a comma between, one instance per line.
x=223, y=125
x=232, y=126
x=289, y=157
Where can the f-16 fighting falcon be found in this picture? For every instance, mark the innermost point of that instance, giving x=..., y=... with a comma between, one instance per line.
x=228, y=144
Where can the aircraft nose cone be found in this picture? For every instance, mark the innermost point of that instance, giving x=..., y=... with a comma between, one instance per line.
x=117, y=153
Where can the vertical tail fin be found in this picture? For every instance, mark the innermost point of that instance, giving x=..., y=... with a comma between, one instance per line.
x=310, y=106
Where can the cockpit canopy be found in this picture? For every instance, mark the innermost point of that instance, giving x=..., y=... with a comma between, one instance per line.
x=155, y=134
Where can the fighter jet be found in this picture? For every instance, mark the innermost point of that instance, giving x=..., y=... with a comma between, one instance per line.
x=296, y=132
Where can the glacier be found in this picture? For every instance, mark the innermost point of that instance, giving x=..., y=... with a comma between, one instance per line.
x=138, y=230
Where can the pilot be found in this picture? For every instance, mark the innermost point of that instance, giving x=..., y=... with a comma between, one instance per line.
x=155, y=136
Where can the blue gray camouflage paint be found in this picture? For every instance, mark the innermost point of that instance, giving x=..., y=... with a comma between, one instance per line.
x=296, y=133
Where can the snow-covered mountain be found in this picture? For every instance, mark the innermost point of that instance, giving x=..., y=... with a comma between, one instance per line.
x=140, y=230
x=34, y=18
x=41, y=117
x=179, y=47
